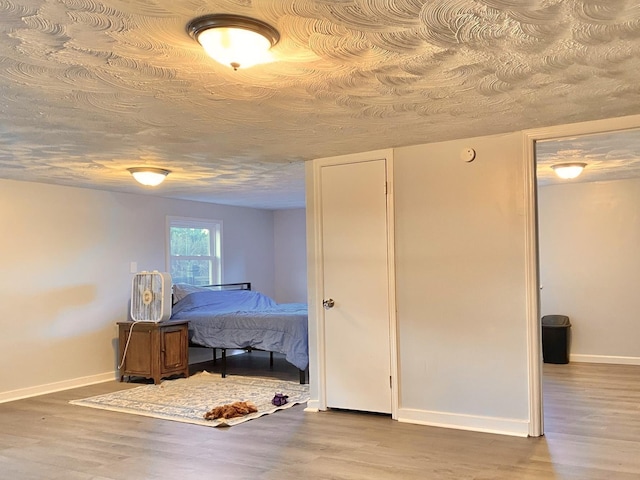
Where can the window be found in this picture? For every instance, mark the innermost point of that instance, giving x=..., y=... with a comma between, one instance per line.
x=194, y=250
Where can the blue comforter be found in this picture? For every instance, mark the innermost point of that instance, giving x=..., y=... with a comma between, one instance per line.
x=243, y=318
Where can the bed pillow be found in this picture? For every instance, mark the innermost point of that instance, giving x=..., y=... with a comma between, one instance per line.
x=223, y=301
x=181, y=290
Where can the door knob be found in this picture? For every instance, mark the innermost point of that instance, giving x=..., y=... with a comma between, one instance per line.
x=327, y=304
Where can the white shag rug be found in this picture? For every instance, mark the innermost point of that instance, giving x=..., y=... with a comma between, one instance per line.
x=188, y=399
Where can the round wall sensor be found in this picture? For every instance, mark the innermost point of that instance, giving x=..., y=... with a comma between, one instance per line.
x=467, y=155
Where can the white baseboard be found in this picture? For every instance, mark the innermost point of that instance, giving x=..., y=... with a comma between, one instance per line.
x=612, y=359
x=474, y=423
x=313, y=406
x=56, y=386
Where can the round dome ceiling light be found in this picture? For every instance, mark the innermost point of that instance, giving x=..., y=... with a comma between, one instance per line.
x=569, y=170
x=149, y=176
x=234, y=40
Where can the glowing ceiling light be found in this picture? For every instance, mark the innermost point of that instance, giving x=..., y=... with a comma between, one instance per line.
x=569, y=170
x=149, y=176
x=234, y=40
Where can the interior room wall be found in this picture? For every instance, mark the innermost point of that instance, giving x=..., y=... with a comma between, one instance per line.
x=460, y=284
x=290, y=254
x=66, y=255
x=460, y=231
x=589, y=235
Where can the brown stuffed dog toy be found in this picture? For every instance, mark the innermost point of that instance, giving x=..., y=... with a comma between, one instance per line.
x=232, y=410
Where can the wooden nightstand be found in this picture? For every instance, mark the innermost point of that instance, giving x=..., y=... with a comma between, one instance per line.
x=156, y=350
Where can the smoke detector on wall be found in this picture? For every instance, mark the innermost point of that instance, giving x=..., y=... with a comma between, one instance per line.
x=467, y=155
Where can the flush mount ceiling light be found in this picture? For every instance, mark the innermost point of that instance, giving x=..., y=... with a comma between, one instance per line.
x=149, y=176
x=234, y=40
x=568, y=170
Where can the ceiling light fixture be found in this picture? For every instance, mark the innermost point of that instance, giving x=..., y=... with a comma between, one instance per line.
x=568, y=170
x=233, y=39
x=148, y=175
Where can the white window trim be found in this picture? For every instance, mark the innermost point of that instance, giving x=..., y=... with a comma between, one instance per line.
x=191, y=222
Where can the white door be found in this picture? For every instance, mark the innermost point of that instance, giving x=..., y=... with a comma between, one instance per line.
x=354, y=249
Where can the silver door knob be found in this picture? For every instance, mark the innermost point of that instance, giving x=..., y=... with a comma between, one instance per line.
x=327, y=304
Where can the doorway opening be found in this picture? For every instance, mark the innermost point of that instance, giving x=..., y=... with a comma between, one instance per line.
x=583, y=269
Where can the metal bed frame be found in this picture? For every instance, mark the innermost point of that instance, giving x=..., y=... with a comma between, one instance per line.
x=238, y=286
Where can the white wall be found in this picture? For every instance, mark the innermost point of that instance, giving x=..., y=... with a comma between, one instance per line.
x=290, y=254
x=460, y=285
x=460, y=274
x=589, y=236
x=65, y=255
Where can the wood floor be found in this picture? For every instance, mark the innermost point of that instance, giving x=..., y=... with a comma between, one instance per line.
x=592, y=415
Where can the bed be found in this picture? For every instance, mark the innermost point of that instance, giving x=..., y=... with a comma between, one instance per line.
x=232, y=316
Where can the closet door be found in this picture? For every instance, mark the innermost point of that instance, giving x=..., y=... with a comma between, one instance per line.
x=355, y=283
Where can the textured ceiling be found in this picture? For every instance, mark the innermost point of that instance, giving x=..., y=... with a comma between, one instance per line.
x=89, y=88
x=609, y=156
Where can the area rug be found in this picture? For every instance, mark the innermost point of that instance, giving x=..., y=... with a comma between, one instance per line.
x=188, y=399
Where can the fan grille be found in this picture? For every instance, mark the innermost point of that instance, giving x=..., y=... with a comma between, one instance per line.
x=149, y=297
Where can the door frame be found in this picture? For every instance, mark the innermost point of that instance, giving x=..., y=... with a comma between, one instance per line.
x=316, y=260
x=532, y=266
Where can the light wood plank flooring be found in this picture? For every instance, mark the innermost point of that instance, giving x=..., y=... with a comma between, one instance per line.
x=592, y=432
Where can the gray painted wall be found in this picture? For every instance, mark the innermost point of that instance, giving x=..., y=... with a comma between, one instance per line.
x=65, y=255
x=590, y=266
x=460, y=275
x=460, y=285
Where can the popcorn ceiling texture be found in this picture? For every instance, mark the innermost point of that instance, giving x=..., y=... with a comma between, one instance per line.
x=89, y=88
x=609, y=156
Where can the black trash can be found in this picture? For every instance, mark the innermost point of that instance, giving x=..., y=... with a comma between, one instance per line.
x=555, y=338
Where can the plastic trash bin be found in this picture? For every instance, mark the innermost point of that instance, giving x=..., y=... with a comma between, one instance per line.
x=555, y=338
